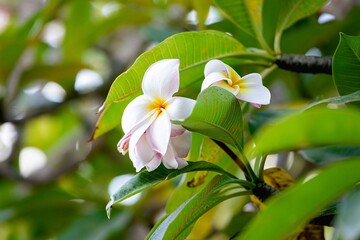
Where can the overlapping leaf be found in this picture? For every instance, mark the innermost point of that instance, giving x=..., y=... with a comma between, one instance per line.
x=178, y=224
x=145, y=179
x=312, y=128
x=346, y=65
x=217, y=114
x=293, y=208
x=246, y=15
x=293, y=10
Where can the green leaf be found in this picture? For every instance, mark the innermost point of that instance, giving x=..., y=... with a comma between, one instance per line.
x=261, y=118
x=209, y=152
x=246, y=15
x=293, y=208
x=193, y=49
x=202, y=8
x=346, y=65
x=78, y=26
x=217, y=114
x=293, y=10
x=324, y=155
x=312, y=128
x=178, y=224
x=144, y=180
x=352, y=97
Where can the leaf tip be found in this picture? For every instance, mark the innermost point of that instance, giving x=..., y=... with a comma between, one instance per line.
x=108, y=208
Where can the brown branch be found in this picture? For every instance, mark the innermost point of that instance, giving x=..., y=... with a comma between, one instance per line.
x=304, y=64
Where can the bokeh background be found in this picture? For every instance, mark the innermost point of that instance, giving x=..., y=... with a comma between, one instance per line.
x=58, y=59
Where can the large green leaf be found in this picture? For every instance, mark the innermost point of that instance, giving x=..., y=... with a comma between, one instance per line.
x=193, y=49
x=246, y=15
x=324, y=155
x=217, y=114
x=263, y=117
x=312, y=128
x=145, y=179
x=287, y=212
x=178, y=224
x=346, y=65
x=293, y=10
x=209, y=152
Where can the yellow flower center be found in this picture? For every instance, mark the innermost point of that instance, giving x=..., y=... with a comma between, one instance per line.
x=158, y=104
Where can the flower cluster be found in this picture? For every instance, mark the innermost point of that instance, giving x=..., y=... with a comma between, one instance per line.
x=150, y=136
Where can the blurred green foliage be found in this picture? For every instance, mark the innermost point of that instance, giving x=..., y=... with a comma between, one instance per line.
x=58, y=59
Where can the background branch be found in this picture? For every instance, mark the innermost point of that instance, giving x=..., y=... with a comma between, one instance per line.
x=304, y=64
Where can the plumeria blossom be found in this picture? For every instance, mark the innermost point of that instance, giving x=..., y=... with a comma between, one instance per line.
x=150, y=137
x=248, y=88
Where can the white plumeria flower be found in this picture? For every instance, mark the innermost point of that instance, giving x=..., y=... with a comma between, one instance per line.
x=248, y=88
x=150, y=137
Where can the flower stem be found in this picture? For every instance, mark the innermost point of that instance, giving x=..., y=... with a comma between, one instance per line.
x=234, y=157
x=261, y=168
x=245, y=168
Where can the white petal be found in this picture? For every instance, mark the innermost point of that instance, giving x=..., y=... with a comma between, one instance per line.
x=143, y=153
x=135, y=112
x=169, y=159
x=234, y=90
x=181, y=144
x=253, y=78
x=159, y=133
x=213, y=78
x=177, y=130
x=154, y=163
x=135, y=137
x=254, y=93
x=161, y=80
x=123, y=144
x=181, y=162
x=180, y=108
x=215, y=66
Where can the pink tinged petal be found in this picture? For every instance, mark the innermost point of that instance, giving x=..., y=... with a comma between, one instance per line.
x=215, y=66
x=143, y=153
x=181, y=144
x=161, y=80
x=214, y=78
x=135, y=112
x=180, y=108
x=170, y=158
x=159, y=133
x=154, y=163
x=176, y=130
x=256, y=105
x=255, y=94
x=253, y=78
x=135, y=138
x=123, y=144
x=181, y=162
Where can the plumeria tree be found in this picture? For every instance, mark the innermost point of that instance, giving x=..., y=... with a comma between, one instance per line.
x=234, y=119
x=222, y=74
